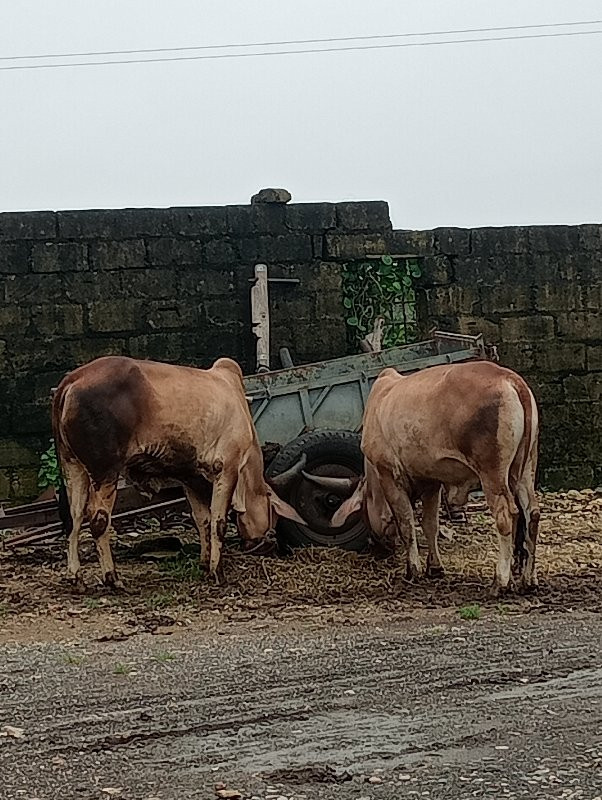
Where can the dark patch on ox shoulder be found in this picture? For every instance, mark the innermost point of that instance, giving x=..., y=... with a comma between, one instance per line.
x=483, y=424
x=106, y=413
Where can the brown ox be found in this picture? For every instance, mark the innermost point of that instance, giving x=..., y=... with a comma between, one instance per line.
x=153, y=421
x=454, y=426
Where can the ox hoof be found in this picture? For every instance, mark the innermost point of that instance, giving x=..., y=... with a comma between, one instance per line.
x=435, y=572
x=412, y=572
x=498, y=590
x=218, y=575
x=111, y=580
x=77, y=583
x=525, y=586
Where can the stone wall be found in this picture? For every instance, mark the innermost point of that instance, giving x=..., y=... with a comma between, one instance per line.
x=173, y=284
x=537, y=293
x=169, y=284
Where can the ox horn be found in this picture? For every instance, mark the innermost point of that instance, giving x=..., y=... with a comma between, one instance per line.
x=285, y=478
x=343, y=487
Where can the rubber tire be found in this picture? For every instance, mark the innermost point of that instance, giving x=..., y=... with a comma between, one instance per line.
x=322, y=448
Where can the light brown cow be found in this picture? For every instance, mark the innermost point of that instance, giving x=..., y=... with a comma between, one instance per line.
x=454, y=426
x=153, y=421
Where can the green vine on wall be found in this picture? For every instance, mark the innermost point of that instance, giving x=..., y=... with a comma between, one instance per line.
x=381, y=287
x=49, y=473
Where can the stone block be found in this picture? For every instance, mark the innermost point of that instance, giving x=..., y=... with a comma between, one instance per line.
x=363, y=216
x=436, y=270
x=290, y=305
x=325, y=276
x=85, y=287
x=553, y=238
x=533, y=357
x=14, y=258
x=117, y=255
x=81, y=351
x=571, y=476
x=107, y=316
x=416, y=243
x=592, y=296
x=292, y=247
x=14, y=320
x=156, y=346
x=31, y=289
x=17, y=225
x=256, y=219
x=354, y=246
x=452, y=241
x=166, y=252
x=558, y=297
x=583, y=387
x=506, y=297
x=472, y=326
x=527, y=329
x=59, y=257
x=15, y=453
x=205, y=221
x=451, y=300
x=581, y=267
x=114, y=223
x=329, y=306
x=590, y=237
x=311, y=217
x=149, y=283
x=174, y=314
x=546, y=388
x=499, y=241
x=317, y=245
x=221, y=251
x=271, y=196
x=202, y=282
x=583, y=326
x=594, y=357
x=55, y=319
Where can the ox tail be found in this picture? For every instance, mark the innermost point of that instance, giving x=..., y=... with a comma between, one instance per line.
x=62, y=496
x=518, y=466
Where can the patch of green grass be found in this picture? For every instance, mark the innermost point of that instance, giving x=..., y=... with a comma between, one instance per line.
x=502, y=609
x=183, y=568
x=72, y=659
x=92, y=603
x=3, y=609
x=160, y=600
x=121, y=669
x=470, y=612
x=164, y=657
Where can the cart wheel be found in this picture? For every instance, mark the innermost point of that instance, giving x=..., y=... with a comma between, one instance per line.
x=332, y=453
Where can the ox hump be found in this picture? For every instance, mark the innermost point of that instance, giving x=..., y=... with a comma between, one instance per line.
x=229, y=365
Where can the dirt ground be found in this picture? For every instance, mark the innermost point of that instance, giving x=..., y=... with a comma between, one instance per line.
x=322, y=675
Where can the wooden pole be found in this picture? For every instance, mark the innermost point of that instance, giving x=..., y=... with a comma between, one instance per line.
x=260, y=317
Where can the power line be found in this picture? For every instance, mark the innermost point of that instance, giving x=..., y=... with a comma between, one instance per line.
x=298, y=41
x=215, y=56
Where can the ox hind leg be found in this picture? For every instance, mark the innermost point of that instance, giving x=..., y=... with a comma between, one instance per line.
x=402, y=509
x=529, y=505
x=100, y=507
x=431, y=501
x=77, y=485
x=221, y=499
x=505, y=513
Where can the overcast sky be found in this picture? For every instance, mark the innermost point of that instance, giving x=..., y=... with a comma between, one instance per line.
x=492, y=133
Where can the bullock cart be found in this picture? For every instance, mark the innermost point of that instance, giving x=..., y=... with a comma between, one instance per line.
x=313, y=410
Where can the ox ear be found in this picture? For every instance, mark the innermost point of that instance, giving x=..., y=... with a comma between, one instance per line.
x=283, y=509
x=351, y=506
